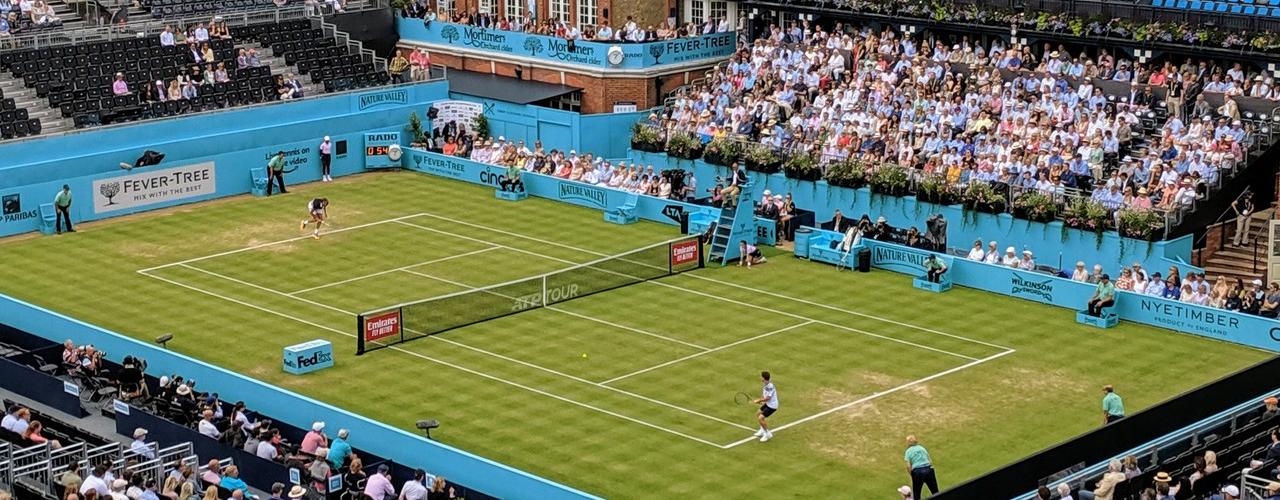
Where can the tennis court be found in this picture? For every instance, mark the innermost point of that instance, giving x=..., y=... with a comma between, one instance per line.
x=668, y=354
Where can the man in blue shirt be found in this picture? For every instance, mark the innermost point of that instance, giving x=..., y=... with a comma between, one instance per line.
x=339, y=450
x=920, y=467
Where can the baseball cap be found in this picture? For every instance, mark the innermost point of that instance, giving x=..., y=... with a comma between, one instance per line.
x=1231, y=489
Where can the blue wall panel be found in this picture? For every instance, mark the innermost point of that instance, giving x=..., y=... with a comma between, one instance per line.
x=236, y=141
x=1050, y=243
x=380, y=439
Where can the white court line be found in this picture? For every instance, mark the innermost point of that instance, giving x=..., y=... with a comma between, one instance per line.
x=445, y=363
x=585, y=381
x=874, y=396
x=265, y=289
x=694, y=276
x=264, y=245
x=716, y=297
x=509, y=359
x=562, y=311
x=389, y=271
x=696, y=354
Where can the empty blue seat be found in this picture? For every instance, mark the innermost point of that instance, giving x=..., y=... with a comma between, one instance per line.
x=1250, y=10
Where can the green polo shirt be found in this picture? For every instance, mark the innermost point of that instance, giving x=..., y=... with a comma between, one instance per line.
x=917, y=456
x=276, y=164
x=513, y=173
x=1105, y=291
x=1112, y=405
x=62, y=199
x=934, y=264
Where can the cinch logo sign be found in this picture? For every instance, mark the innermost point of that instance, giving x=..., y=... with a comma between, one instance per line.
x=382, y=326
x=684, y=252
x=591, y=195
x=389, y=97
x=1034, y=289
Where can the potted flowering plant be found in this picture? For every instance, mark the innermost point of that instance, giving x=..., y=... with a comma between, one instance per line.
x=1035, y=206
x=645, y=138
x=722, y=151
x=802, y=166
x=761, y=158
x=1086, y=214
x=981, y=197
x=848, y=173
x=890, y=179
x=684, y=145
x=934, y=189
x=1140, y=224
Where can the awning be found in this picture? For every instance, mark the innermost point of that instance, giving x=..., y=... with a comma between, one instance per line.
x=504, y=88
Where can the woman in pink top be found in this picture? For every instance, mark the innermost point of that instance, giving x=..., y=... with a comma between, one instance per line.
x=119, y=87
x=419, y=65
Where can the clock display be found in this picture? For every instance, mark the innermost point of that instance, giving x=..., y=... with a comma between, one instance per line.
x=375, y=150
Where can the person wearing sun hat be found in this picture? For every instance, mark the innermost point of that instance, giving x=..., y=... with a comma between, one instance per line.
x=139, y=444
x=314, y=439
x=297, y=492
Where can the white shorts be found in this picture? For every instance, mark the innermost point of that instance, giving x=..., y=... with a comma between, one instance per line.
x=317, y=213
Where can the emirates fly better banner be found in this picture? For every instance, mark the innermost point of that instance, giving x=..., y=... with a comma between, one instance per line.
x=153, y=186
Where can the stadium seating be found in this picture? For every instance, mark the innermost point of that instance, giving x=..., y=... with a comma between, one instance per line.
x=1245, y=8
x=316, y=55
x=190, y=8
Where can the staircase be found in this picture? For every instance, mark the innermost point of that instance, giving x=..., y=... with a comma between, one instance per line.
x=735, y=225
x=278, y=67
x=1237, y=262
x=51, y=120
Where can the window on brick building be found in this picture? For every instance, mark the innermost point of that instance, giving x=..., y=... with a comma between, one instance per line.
x=698, y=11
x=559, y=9
x=514, y=10
x=586, y=12
x=486, y=6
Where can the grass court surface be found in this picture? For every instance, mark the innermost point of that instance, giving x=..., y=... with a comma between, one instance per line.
x=860, y=360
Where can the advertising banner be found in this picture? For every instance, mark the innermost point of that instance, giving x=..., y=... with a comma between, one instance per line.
x=382, y=326
x=153, y=187
x=460, y=113
x=581, y=53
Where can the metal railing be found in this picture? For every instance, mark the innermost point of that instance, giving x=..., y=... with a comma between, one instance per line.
x=222, y=110
x=149, y=27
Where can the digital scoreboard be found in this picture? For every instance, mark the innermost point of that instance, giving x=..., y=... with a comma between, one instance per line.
x=382, y=150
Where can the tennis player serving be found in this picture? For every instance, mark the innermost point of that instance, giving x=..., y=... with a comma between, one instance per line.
x=317, y=210
x=768, y=402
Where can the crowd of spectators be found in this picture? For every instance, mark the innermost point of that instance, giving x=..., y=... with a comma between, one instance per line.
x=18, y=16
x=629, y=31
x=1194, y=288
x=948, y=111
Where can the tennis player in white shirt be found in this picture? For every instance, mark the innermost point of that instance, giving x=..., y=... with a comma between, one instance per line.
x=768, y=402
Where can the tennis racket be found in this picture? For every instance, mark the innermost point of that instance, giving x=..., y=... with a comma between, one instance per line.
x=742, y=398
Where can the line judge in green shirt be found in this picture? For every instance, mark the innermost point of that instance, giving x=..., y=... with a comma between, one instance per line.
x=62, y=207
x=511, y=181
x=920, y=467
x=1112, y=406
x=275, y=171
x=1103, y=296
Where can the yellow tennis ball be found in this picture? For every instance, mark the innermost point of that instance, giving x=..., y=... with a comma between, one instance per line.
x=584, y=355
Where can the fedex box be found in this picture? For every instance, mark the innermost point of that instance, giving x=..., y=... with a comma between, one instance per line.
x=308, y=357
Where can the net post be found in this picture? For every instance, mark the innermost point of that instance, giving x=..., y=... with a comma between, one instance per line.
x=543, y=300
x=702, y=261
x=671, y=268
x=400, y=312
x=359, y=334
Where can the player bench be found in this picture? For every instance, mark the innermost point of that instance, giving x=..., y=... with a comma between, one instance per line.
x=510, y=195
x=1108, y=318
x=824, y=246
x=944, y=281
x=624, y=213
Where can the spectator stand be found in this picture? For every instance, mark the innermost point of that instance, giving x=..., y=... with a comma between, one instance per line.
x=76, y=77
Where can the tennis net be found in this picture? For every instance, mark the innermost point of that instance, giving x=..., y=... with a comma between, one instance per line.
x=404, y=322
